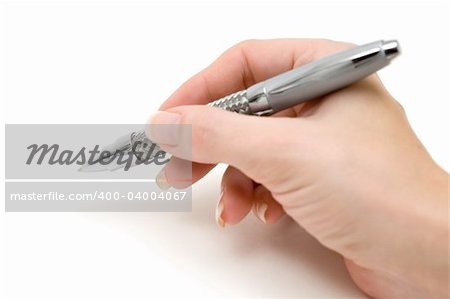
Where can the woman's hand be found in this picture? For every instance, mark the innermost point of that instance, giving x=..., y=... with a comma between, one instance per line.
x=347, y=167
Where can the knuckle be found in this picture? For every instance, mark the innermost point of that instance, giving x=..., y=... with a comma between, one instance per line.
x=400, y=107
x=246, y=43
x=238, y=48
x=318, y=48
x=327, y=41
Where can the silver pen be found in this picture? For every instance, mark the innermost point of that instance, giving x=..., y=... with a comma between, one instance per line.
x=265, y=98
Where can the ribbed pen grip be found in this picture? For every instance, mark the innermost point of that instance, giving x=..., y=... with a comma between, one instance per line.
x=143, y=148
x=235, y=102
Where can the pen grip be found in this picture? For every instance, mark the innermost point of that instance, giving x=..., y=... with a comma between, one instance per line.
x=235, y=102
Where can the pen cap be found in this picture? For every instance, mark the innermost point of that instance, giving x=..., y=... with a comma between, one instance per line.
x=325, y=75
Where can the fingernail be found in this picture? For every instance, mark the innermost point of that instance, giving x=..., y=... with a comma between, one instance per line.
x=161, y=180
x=219, y=211
x=259, y=209
x=163, y=128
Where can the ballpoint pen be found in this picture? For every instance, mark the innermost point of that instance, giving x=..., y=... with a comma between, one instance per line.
x=265, y=98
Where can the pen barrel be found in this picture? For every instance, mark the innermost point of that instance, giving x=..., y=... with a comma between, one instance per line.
x=323, y=76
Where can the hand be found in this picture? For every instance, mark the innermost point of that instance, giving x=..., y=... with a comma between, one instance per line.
x=347, y=167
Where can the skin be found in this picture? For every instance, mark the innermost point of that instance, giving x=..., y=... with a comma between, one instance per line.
x=347, y=167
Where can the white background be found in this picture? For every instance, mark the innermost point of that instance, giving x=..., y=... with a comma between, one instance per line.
x=103, y=62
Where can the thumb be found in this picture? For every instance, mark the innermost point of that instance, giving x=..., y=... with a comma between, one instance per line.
x=210, y=135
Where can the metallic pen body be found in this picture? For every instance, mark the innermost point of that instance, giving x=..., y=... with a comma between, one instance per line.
x=321, y=77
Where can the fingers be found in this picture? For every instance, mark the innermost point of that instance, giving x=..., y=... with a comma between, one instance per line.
x=236, y=197
x=239, y=67
x=239, y=196
x=180, y=173
x=251, y=144
x=265, y=207
x=247, y=63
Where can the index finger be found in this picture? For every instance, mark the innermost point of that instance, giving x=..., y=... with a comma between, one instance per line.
x=245, y=64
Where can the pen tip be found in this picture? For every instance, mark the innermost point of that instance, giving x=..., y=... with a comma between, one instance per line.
x=82, y=168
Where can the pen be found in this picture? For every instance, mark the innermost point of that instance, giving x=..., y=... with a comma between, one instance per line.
x=265, y=98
